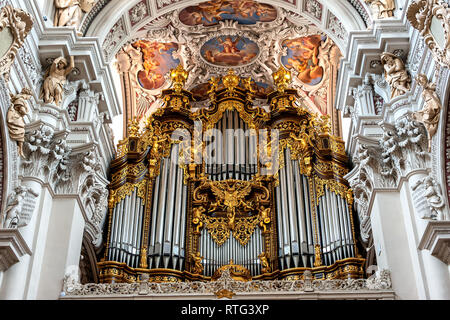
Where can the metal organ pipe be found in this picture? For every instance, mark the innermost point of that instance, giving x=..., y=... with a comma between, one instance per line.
x=293, y=224
x=309, y=226
x=301, y=213
x=170, y=199
x=285, y=217
x=349, y=227
x=177, y=218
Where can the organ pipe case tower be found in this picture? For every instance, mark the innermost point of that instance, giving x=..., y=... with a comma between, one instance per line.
x=230, y=185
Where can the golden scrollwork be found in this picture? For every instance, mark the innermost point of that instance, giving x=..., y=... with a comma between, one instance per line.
x=332, y=185
x=244, y=229
x=237, y=272
x=224, y=293
x=282, y=79
x=179, y=76
x=126, y=189
x=231, y=81
x=317, y=256
x=218, y=229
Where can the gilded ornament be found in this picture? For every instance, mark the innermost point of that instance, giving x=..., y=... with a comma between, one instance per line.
x=317, y=256
x=197, y=218
x=197, y=260
x=179, y=76
x=265, y=268
x=264, y=214
x=230, y=81
x=282, y=79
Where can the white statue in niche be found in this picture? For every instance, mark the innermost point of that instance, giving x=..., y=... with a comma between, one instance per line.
x=431, y=111
x=382, y=8
x=55, y=79
x=395, y=74
x=70, y=12
x=14, y=118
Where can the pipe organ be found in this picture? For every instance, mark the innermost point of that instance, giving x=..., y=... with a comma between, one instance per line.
x=230, y=185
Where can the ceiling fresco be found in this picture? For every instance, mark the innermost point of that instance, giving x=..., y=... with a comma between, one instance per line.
x=229, y=51
x=157, y=61
x=302, y=55
x=210, y=38
x=243, y=11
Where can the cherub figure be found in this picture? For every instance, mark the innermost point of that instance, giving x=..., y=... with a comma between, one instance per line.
x=197, y=218
x=265, y=268
x=229, y=46
x=264, y=214
x=197, y=259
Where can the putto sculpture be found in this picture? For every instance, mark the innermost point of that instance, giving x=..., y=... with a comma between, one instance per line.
x=431, y=111
x=55, y=79
x=14, y=118
x=395, y=74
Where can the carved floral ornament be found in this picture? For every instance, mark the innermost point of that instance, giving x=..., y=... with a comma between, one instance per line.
x=432, y=19
x=15, y=25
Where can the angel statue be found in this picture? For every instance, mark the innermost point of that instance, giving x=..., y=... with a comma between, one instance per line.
x=14, y=118
x=55, y=79
x=14, y=207
x=431, y=111
x=70, y=12
x=395, y=74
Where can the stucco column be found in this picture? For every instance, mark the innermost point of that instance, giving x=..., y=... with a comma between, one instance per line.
x=63, y=247
x=19, y=277
x=436, y=278
x=391, y=243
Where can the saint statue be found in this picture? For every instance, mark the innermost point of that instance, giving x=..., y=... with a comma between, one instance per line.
x=70, y=12
x=55, y=79
x=382, y=8
x=431, y=111
x=395, y=74
x=14, y=118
